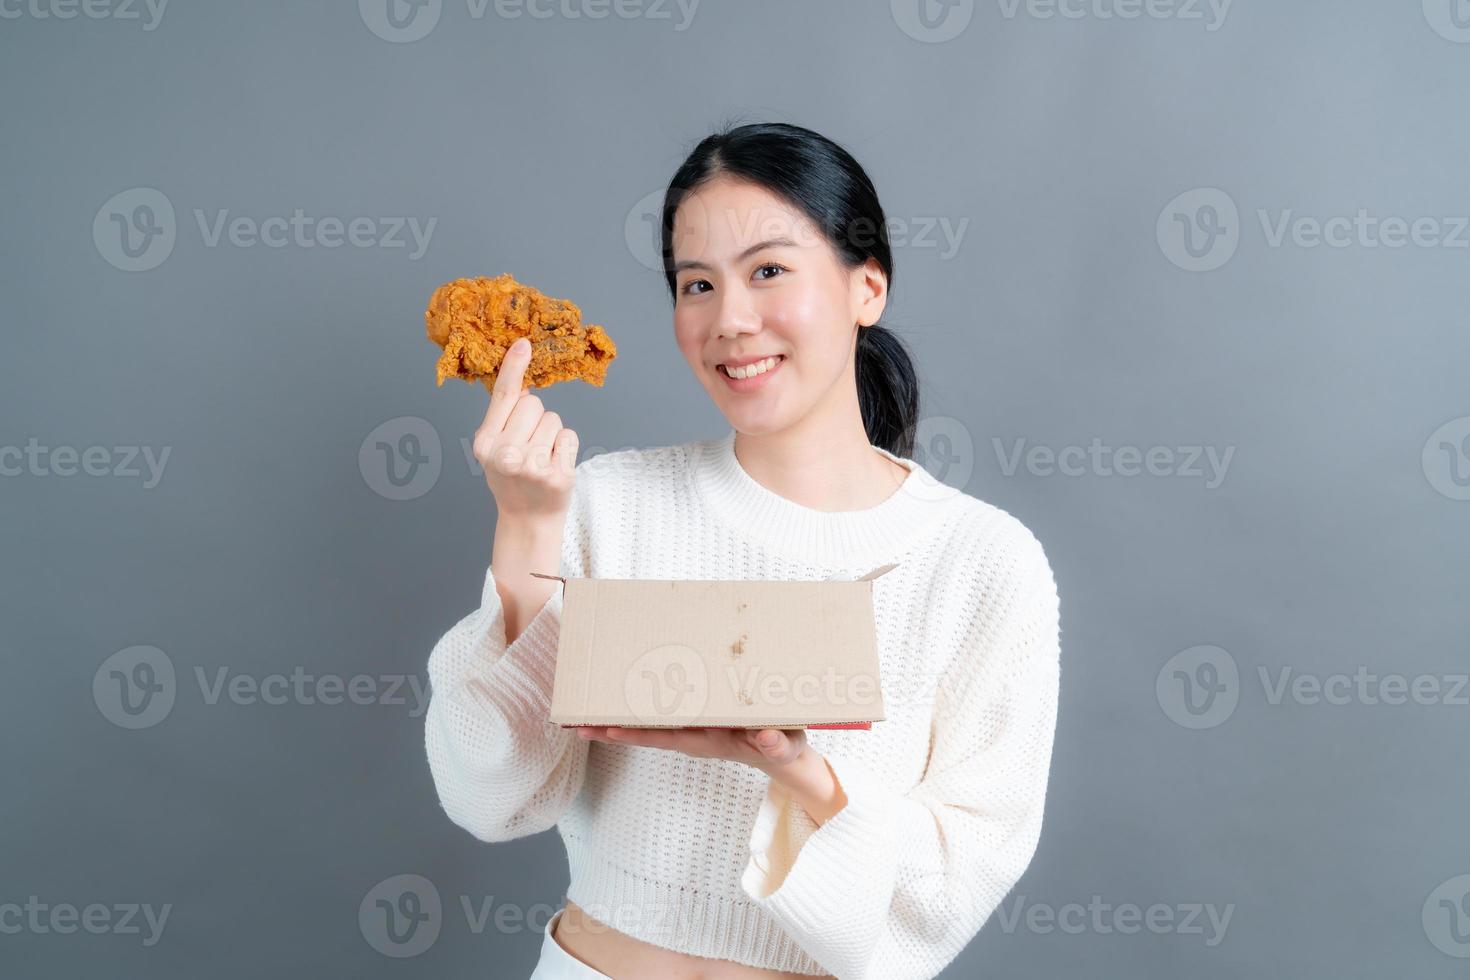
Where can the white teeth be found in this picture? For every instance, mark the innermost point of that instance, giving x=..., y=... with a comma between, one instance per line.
x=751, y=370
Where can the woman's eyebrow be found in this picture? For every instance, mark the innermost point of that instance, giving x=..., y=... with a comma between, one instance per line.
x=768, y=243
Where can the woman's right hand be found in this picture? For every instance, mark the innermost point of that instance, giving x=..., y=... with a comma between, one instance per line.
x=530, y=459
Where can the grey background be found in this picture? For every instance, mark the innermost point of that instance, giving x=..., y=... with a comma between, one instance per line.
x=1334, y=541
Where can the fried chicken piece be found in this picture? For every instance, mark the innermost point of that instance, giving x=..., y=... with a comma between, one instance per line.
x=476, y=321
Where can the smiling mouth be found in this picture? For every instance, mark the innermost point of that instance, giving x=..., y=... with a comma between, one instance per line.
x=767, y=364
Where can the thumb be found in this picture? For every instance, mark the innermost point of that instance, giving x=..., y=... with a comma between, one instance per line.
x=768, y=739
x=564, y=450
x=774, y=744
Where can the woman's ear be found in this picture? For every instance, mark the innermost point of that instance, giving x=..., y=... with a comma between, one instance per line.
x=870, y=292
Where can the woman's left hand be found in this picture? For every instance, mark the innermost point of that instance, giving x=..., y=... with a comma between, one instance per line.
x=781, y=753
x=773, y=751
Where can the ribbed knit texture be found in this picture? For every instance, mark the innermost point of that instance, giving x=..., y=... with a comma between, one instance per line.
x=709, y=857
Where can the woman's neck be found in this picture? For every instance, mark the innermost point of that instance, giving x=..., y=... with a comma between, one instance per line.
x=851, y=514
x=826, y=471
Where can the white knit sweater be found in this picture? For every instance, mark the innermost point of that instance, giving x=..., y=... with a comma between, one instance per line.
x=709, y=857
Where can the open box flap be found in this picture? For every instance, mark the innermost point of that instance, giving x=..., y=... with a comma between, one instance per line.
x=880, y=570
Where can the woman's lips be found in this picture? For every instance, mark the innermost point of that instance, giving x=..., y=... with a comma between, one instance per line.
x=752, y=384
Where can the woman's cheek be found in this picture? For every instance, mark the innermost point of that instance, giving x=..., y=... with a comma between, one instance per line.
x=799, y=318
x=685, y=337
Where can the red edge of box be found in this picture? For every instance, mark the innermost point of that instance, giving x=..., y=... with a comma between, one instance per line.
x=853, y=725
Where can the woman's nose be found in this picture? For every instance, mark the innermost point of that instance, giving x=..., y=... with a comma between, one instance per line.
x=737, y=315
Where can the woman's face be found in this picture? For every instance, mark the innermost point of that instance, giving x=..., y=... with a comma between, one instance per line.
x=754, y=278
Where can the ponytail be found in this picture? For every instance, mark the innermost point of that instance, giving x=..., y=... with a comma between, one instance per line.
x=888, y=390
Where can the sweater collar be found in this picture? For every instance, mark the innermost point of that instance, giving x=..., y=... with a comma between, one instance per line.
x=849, y=538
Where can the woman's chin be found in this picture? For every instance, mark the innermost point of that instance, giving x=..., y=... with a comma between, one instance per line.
x=752, y=422
x=754, y=413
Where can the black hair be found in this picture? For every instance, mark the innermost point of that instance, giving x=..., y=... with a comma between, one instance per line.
x=822, y=179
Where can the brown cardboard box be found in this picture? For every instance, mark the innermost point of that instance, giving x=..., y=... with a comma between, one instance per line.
x=646, y=653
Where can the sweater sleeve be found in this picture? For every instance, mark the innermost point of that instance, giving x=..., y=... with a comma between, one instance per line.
x=895, y=885
x=501, y=769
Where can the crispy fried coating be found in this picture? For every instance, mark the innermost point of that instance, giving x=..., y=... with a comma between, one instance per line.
x=476, y=321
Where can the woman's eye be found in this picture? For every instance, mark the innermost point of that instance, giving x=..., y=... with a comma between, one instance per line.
x=689, y=290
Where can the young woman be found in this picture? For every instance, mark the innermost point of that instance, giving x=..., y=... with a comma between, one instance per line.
x=741, y=854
